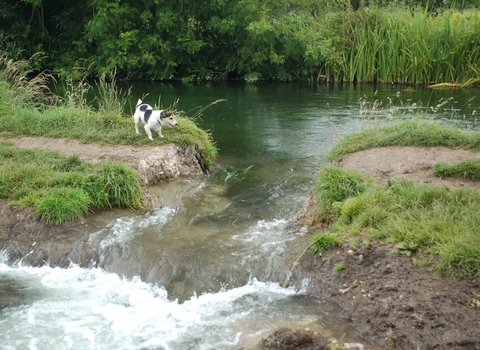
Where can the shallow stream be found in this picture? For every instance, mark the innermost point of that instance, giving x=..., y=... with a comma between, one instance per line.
x=206, y=270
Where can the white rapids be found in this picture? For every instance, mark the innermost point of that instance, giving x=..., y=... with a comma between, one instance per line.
x=78, y=308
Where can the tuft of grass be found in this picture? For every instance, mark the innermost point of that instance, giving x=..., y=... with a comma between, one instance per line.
x=339, y=267
x=322, y=242
x=334, y=185
x=468, y=169
x=121, y=184
x=61, y=205
x=63, y=188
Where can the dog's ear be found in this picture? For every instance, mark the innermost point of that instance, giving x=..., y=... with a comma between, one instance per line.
x=163, y=114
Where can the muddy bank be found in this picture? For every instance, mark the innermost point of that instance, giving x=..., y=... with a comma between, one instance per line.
x=22, y=228
x=392, y=303
x=153, y=163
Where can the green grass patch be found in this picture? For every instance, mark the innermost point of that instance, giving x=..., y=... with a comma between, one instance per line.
x=63, y=188
x=411, y=132
x=425, y=219
x=468, y=169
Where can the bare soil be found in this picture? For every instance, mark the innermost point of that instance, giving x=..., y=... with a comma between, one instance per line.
x=393, y=303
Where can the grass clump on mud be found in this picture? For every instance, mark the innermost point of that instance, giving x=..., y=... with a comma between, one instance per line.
x=437, y=225
x=410, y=132
x=63, y=188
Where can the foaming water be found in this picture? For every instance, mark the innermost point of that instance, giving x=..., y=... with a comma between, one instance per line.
x=124, y=229
x=79, y=308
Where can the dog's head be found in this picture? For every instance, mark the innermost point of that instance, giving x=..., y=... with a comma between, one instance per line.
x=169, y=117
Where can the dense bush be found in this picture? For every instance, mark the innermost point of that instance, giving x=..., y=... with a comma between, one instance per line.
x=340, y=40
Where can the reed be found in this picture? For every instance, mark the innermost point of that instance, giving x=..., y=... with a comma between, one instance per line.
x=399, y=45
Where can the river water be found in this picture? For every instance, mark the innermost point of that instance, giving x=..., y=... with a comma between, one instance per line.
x=206, y=270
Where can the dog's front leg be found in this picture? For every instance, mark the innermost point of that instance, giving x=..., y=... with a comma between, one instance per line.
x=149, y=133
x=160, y=131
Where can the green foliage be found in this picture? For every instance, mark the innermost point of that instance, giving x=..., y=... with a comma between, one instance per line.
x=467, y=169
x=308, y=40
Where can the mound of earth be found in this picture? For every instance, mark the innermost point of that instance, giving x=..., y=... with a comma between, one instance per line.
x=392, y=303
x=410, y=163
x=154, y=163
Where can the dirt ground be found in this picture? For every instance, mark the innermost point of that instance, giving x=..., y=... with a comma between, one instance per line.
x=393, y=304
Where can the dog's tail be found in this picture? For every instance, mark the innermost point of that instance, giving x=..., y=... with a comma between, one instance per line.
x=139, y=102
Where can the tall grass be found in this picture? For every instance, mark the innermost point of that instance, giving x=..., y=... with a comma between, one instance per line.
x=21, y=86
x=401, y=45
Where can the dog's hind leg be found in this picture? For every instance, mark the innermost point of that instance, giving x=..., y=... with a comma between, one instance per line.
x=136, y=119
x=136, y=116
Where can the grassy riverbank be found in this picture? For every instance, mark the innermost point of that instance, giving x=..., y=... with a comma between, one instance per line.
x=63, y=188
x=434, y=225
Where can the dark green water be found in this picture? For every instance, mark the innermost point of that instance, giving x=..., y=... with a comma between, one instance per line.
x=282, y=132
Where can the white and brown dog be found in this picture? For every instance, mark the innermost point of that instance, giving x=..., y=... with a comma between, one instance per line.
x=152, y=119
